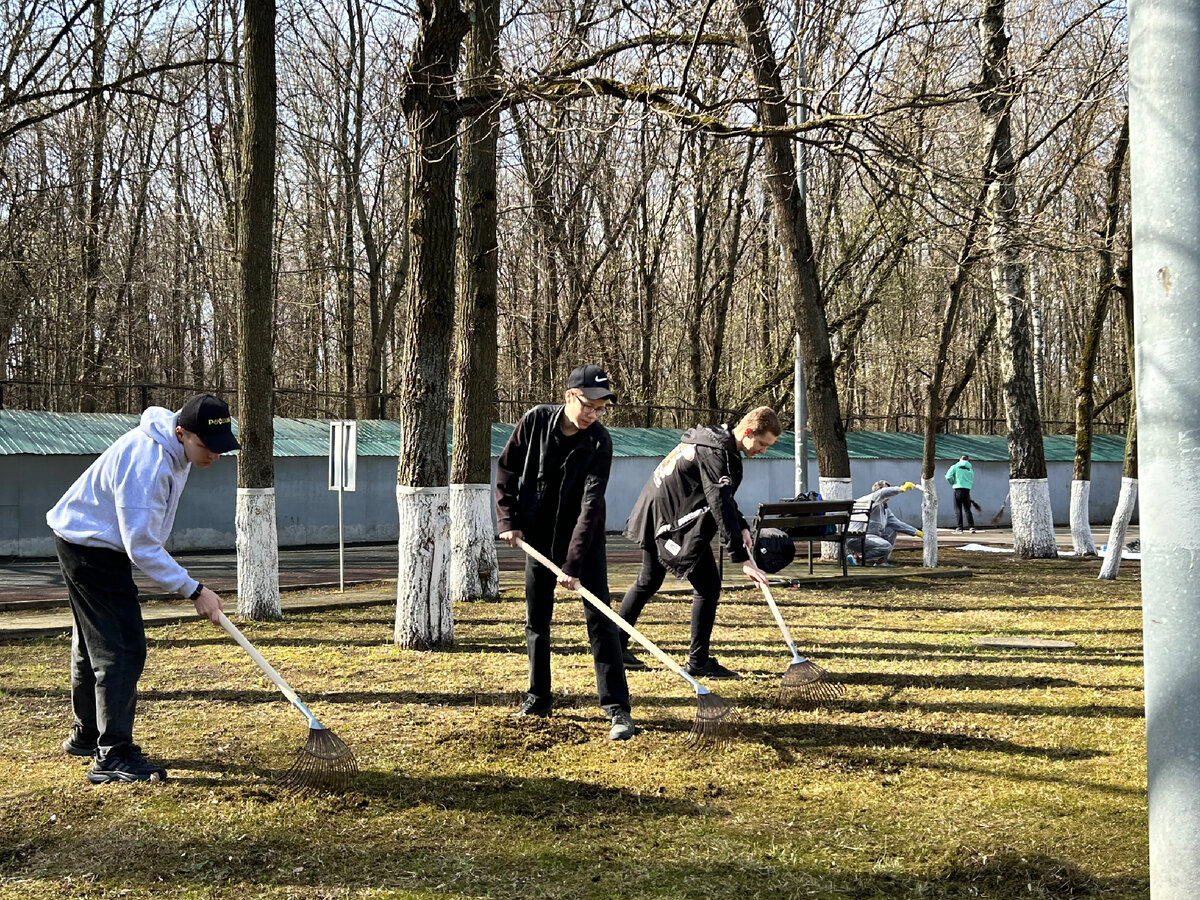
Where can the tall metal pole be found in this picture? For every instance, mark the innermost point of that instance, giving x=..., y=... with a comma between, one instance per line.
x=801, y=424
x=1164, y=105
x=801, y=419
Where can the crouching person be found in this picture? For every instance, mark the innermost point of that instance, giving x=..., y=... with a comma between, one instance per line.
x=882, y=525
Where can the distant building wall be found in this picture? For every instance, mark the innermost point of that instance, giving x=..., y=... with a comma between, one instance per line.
x=307, y=511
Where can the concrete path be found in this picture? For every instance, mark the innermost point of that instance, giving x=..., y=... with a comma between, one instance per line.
x=33, y=599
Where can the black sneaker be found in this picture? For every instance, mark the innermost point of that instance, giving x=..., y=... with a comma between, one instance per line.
x=80, y=743
x=126, y=764
x=631, y=661
x=711, y=669
x=531, y=707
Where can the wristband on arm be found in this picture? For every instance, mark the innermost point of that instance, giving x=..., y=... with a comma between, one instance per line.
x=196, y=593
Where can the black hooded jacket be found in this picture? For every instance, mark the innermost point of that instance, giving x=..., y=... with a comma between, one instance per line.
x=689, y=499
x=564, y=517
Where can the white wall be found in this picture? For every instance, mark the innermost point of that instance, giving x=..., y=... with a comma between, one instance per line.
x=307, y=510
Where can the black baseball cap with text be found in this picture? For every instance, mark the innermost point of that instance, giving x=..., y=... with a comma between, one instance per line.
x=208, y=418
x=592, y=382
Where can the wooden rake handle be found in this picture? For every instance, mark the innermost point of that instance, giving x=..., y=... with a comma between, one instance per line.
x=617, y=620
x=787, y=635
x=269, y=671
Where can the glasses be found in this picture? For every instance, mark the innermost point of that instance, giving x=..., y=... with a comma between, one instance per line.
x=598, y=411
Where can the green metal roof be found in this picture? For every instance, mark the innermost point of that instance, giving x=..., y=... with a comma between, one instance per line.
x=88, y=434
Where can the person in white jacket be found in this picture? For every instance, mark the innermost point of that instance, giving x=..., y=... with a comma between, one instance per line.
x=882, y=525
x=117, y=514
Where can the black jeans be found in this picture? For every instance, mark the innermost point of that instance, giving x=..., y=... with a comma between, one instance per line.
x=611, y=686
x=108, y=643
x=962, y=503
x=706, y=592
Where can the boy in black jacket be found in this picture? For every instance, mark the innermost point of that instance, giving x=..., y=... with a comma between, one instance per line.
x=550, y=483
x=686, y=502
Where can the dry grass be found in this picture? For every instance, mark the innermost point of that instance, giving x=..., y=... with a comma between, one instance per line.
x=948, y=769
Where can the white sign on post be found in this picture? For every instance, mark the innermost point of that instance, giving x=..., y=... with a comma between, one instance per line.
x=343, y=474
x=343, y=455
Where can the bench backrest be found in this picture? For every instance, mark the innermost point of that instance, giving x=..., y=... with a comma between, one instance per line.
x=796, y=517
x=860, y=513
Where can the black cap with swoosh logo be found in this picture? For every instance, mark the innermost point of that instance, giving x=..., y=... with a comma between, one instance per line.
x=592, y=382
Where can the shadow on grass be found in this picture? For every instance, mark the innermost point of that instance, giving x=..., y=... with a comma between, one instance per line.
x=573, y=861
x=473, y=792
x=832, y=736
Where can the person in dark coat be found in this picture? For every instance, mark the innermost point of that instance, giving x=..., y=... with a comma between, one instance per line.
x=550, y=484
x=688, y=501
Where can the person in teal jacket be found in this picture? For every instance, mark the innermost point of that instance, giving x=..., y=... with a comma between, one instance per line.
x=962, y=478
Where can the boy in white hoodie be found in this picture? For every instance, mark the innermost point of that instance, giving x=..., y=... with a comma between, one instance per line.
x=119, y=510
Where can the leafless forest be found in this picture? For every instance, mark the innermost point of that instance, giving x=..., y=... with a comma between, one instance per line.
x=635, y=225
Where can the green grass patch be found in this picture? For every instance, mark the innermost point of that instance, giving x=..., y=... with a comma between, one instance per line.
x=948, y=769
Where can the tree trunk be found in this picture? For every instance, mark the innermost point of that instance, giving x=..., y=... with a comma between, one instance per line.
x=474, y=571
x=424, y=615
x=1033, y=524
x=725, y=292
x=933, y=398
x=257, y=540
x=98, y=112
x=1127, y=501
x=829, y=435
x=1081, y=531
x=929, y=522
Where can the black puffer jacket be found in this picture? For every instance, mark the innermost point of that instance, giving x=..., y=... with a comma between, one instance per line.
x=575, y=527
x=689, y=499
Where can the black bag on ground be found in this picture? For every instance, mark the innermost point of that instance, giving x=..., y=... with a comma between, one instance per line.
x=773, y=549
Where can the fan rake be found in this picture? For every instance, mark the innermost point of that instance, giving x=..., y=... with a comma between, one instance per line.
x=715, y=715
x=324, y=763
x=804, y=682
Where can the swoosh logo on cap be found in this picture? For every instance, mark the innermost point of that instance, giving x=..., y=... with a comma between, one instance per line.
x=600, y=378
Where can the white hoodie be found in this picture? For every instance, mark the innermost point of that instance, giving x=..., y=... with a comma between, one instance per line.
x=126, y=500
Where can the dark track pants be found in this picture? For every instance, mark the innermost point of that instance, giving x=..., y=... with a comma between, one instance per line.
x=962, y=503
x=706, y=592
x=611, y=686
x=108, y=642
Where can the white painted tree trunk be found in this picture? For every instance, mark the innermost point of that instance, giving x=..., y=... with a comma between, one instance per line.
x=1032, y=519
x=1081, y=528
x=1126, y=503
x=424, y=615
x=929, y=516
x=257, y=554
x=834, y=489
x=474, y=572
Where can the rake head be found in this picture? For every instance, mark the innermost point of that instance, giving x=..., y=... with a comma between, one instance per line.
x=714, y=721
x=805, y=682
x=325, y=763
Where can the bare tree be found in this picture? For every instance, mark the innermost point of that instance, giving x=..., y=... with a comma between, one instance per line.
x=1029, y=490
x=1081, y=529
x=424, y=615
x=258, y=542
x=1127, y=501
x=829, y=436
x=474, y=571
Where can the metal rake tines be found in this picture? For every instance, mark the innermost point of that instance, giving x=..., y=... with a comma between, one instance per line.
x=806, y=682
x=714, y=721
x=325, y=763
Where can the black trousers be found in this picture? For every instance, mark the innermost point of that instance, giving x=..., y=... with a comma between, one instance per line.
x=962, y=503
x=108, y=643
x=706, y=592
x=611, y=686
